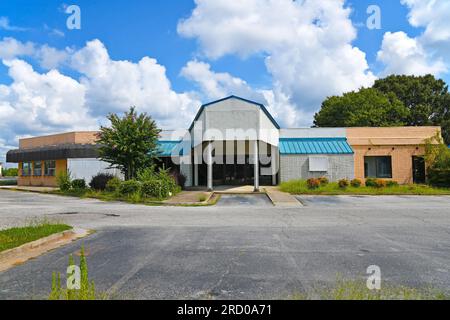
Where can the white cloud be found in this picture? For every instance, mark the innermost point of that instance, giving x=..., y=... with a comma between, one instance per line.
x=307, y=44
x=216, y=85
x=43, y=103
x=426, y=53
x=10, y=48
x=404, y=55
x=5, y=25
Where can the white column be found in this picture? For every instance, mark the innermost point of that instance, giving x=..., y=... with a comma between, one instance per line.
x=209, y=165
x=196, y=161
x=256, y=166
x=274, y=165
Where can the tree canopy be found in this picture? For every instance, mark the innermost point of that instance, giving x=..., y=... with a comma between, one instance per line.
x=130, y=143
x=425, y=101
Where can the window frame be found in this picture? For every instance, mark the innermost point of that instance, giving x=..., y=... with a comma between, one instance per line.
x=39, y=168
x=29, y=170
x=47, y=168
x=377, y=160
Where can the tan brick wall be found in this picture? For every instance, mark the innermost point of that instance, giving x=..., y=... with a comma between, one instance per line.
x=42, y=181
x=402, y=170
x=84, y=137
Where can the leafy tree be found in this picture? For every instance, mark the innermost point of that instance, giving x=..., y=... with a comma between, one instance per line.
x=366, y=107
x=130, y=144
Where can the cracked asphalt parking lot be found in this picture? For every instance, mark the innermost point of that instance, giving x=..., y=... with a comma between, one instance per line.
x=237, y=251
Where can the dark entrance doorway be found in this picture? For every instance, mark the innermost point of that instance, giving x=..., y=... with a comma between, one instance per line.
x=418, y=169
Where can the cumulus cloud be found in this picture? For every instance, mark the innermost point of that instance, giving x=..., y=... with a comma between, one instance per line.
x=216, y=85
x=307, y=44
x=426, y=53
x=404, y=55
x=6, y=25
x=11, y=48
x=43, y=103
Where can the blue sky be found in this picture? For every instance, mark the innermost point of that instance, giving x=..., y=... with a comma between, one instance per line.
x=282, y=59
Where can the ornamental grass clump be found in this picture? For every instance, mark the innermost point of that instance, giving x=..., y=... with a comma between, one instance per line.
x=313, y=183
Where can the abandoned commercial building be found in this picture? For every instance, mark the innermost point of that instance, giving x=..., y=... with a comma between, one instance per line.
x=234, y=141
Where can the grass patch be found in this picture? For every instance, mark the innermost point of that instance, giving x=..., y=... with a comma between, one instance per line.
x=300, y=187
x=357, y=290
x=14, y=237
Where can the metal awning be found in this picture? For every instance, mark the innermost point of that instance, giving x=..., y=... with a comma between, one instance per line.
x=167, y=148
x=315, y=146
x=55, y=152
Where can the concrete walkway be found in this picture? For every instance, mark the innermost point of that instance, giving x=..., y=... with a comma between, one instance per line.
x=189, y=197
x=282, y=199
x=29, y=188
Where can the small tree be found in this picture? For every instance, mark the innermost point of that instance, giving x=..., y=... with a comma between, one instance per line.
x=130, y=144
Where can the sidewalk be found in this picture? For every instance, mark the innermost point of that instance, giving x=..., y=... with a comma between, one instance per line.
x=28, y=188
x=282, y=199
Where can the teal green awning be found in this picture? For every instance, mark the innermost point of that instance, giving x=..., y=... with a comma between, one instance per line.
x=166, y=148
x=315, y=146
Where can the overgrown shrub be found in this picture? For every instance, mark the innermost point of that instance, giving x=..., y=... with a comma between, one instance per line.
x=79, y=184
x=113, y=185
x=146, y=174
x=371, y=182
x=380, y=183
x=99, y=181
x=391, y=183
x=323, y=181
x=313, y=183
x=155, y=188
x=343, y=183
x=355, y=183
x=64, y=181
x=129, y=187
x=179, y=178
x=439, y=177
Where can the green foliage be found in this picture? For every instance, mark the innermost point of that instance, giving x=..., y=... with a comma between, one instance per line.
x=391, y=183
x=79, y=184
x=343, y=183
x=366, y=108
x=113, y=184
x=160, y=185
x=11, y=172
x=146, y=174
x=64, y=181
x=392, y=101
x=301, y=187
x=324, y=181
x=129, y=187
x=437, y=158
x=356, y=183
x=370, y=182
x=130, y=144
x=313, y=183
x=427, y=99
x=100, y=180
x=87, y=288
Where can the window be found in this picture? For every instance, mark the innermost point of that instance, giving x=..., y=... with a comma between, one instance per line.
x=318, y=164
x=37, y=168
x=378, y=167
x=50, y=168
x=26, y=169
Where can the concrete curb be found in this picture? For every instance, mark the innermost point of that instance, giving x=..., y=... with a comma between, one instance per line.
x=29, y=250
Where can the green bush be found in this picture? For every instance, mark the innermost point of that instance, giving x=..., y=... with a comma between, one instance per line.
x=154, y=188
x=113, y=185
x=343, y=183
x=129, y=187
x=313, y=183
x=11, y=172
x=380, y=183
x=439, y=177
x=79, y=184
x=371, y=182
x=355, y=183
x=99, y=181
x=391, y=183
x=63, y=181
x=323, y=181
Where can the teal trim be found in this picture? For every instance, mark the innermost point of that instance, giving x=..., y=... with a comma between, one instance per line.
x=314, y=146
x=167, y=147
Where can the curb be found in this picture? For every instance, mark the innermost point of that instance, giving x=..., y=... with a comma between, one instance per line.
x=29, y=250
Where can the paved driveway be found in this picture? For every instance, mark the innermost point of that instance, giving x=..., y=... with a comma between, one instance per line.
x=238, y=251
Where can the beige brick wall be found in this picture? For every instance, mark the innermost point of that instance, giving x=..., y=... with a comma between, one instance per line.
x=84, y=137
x=402, y=167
